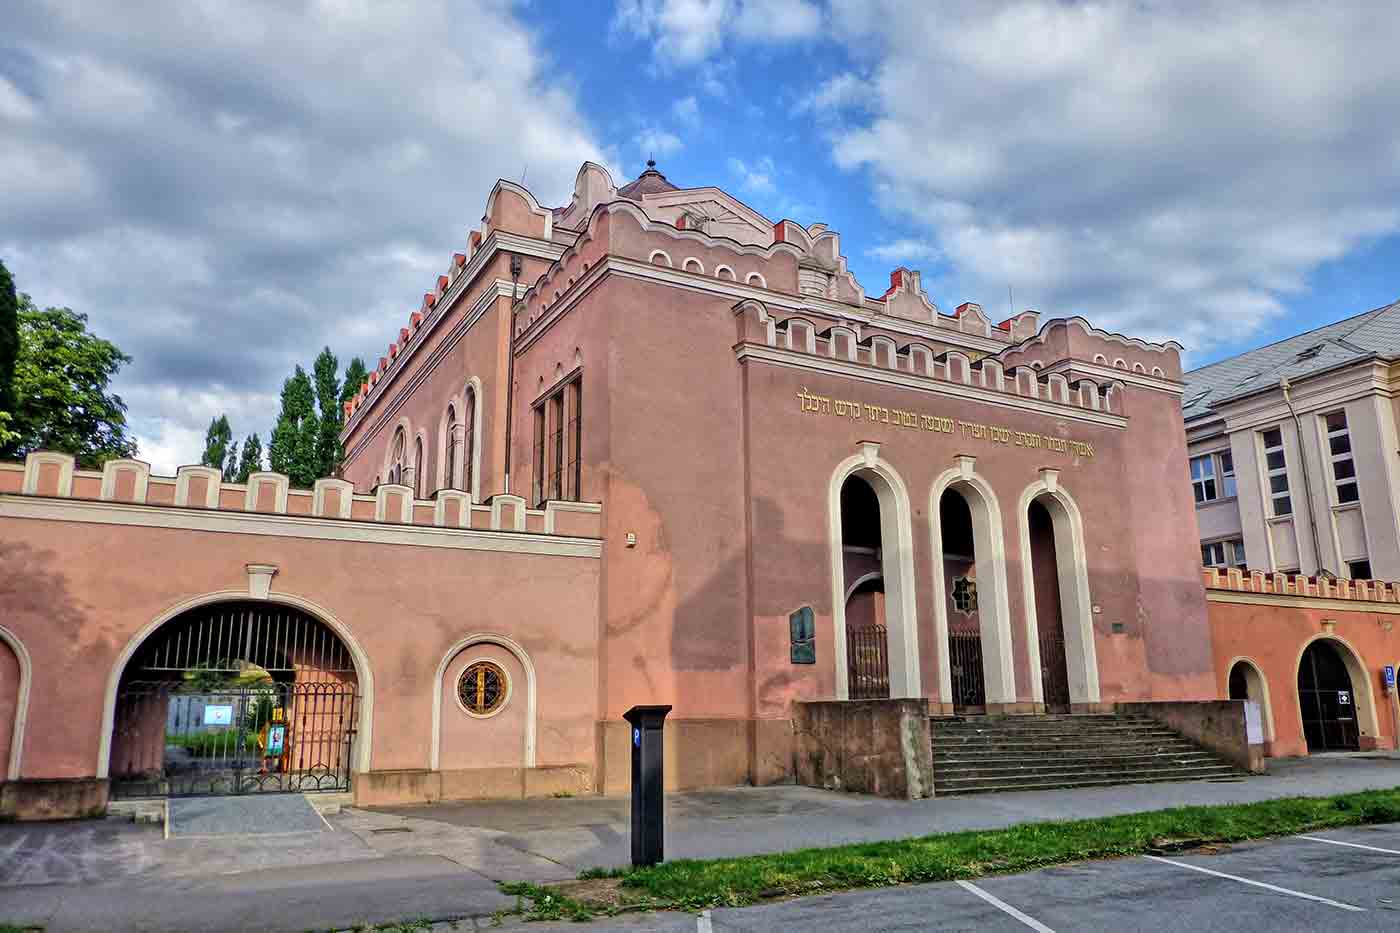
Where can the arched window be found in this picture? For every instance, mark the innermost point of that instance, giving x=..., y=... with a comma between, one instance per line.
x=449, y=475
x=396, y=458
x=468, y=439
x=420, y=472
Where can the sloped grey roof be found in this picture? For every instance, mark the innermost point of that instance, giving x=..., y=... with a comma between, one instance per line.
x=1375, y=333
x=649, y=182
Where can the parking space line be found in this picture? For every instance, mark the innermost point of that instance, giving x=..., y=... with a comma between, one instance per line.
x=1257, y=884
x=1001, y=905
x=703, y=923
x=1351, y=845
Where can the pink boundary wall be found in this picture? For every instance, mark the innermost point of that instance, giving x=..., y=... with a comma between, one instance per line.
x=87, y=576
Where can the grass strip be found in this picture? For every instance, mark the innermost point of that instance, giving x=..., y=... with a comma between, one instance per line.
x=699, y=884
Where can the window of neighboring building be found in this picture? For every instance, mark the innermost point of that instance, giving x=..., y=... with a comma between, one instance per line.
x=1343, y=466
x=1276, y=468
x=558, y=444
x=1203, y=478
x=1359, y=569
x=1213, y=476
x=1228, y=553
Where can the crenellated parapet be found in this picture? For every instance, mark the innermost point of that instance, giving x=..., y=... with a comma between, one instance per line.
x=121, y=483
x=1235, y=580
x=853, y=343
x=1075, y=340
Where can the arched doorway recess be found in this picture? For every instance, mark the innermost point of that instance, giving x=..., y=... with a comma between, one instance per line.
x=867, y=636
x=972, y=619
x=878, y=502
x=1055, y=594
x=1333, y=697
x=1246, y=682
x=235, y=697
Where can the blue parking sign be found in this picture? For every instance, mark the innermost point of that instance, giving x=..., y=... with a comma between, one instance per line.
x=1390, y=676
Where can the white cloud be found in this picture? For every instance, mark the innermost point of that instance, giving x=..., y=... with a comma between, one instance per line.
x=654, y=141
x=299, y=182
x=904, y=251
x=687, y=111
x=1168, y=171
x=754, y=177
x=688, y=32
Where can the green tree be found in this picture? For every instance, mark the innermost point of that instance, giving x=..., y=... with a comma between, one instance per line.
x=251, y=460
x=355, y=376
x=293, y=447
x=328, y=450
x=217, y=452
x=61, y=385
x=9, y=342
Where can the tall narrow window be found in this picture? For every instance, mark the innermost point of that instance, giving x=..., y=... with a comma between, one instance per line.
x=558, y=444
x=449, y=474
x=539, y=455
x=396, y=458
x=555, y=410
x=420, y=469
x=469, y=442
x=1276, y=467
x=574, y=468
x=1343, y=466
x=1226, y=461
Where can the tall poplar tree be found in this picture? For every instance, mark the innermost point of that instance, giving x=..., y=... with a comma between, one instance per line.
x=9, y=340
x=216, y=446
x=355, y=376
x=331, y=416
x=251, y=460
x=293, y=447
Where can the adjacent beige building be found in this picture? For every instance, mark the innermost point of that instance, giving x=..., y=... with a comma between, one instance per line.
x=1295, y=452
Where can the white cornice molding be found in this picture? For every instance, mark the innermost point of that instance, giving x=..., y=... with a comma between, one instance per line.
x=294, y=526
x=1324, y=392
x=1113, y=374
x=1362, y=606
x=793, y=359
x=737, y=292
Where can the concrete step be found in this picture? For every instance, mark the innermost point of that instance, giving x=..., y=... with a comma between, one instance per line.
x=1062, y=782
x=1013, y=761
x=1079, y=743
x=1015, y=773
x=1055, y=729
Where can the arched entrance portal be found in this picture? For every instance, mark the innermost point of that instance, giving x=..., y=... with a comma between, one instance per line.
x=963, y=603
x=235, y=697
x=867, y=636
x=1050, y=634
x=1327, y=699
x=1247, y=683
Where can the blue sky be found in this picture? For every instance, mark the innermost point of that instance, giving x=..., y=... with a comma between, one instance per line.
x=225, y=188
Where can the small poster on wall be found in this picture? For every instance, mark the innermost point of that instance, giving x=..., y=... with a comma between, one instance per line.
x=276, y=739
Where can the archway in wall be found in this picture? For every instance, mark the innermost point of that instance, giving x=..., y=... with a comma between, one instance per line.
x=867, y=633
x=962, y=603
x=1247, y=683
x=235, y=697
x=1327, y=699
x=1050, y=634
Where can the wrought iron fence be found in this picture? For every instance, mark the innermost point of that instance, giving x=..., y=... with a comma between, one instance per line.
x=868, y=663
x=184, y=738
x=965, y=655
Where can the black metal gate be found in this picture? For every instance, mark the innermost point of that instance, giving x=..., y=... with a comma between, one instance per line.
x=1327, y=700
x=1054, y=670
x=969, y=682
x=181, y=739
x=868, y=662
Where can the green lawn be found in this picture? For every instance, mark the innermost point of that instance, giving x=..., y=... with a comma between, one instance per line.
x=698, y=884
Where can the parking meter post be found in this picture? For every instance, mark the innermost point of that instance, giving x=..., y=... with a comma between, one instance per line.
x=648, y=818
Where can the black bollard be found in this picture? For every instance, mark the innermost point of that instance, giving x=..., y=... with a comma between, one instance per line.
x=648, y=822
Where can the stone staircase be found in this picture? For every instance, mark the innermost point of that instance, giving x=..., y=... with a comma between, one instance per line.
x=975, y=754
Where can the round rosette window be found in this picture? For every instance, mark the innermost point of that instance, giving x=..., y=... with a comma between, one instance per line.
x=483, y=688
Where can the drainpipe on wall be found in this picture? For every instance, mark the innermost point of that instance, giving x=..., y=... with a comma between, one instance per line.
x=1285, y=385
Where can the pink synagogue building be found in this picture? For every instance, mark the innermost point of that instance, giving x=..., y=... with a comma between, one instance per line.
x=648, y=447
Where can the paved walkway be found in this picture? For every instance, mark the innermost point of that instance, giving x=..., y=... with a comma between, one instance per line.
x=444, y=860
